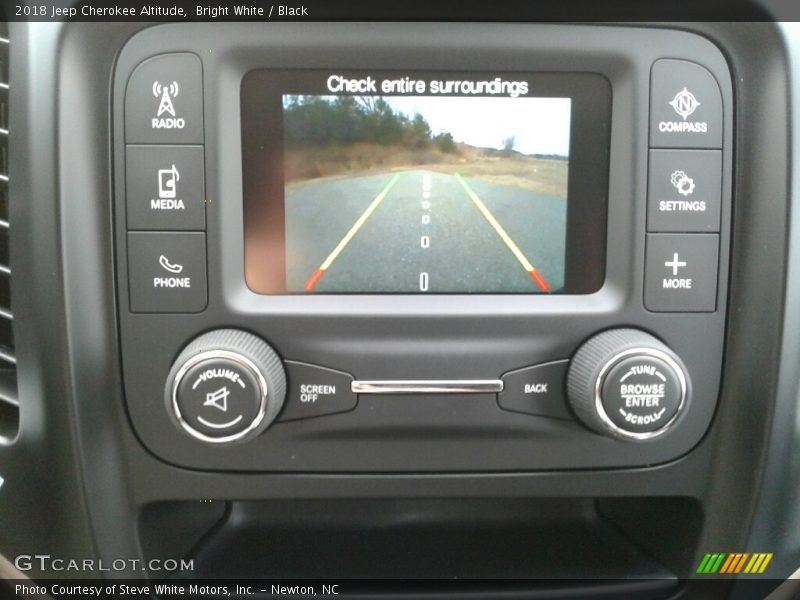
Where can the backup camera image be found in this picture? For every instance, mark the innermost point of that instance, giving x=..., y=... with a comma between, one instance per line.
x=416, y=194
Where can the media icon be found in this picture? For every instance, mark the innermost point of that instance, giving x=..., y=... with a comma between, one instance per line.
x=168, y=182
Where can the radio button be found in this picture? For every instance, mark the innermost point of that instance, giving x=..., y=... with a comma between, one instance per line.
x=681, y=272
x=316, y=391
x=164, y=101
x=685, y=106
x=167, y=272
x=537, y=390
x=165, y=187
x=684, y=190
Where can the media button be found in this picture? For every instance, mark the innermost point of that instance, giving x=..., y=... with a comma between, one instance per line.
x=164, y=101
x=685, y=106
x=315, y=391
x=167, y=272
x=684, y=190
x=537, y=390
x=681, y=272
x=165, y=187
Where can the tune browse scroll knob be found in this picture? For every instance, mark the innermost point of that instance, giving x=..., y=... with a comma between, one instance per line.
x=225, y=387
x=627, y=384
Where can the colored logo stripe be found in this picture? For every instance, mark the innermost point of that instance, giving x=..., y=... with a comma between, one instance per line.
x=732, y=563
x=711, y=563
x=758, y=563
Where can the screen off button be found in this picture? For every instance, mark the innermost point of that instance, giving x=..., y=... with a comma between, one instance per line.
x=315, y=391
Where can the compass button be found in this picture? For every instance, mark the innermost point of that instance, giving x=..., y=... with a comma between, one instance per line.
x=685, y=106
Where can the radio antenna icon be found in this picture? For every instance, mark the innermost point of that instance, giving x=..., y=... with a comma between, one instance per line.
x=167, y=93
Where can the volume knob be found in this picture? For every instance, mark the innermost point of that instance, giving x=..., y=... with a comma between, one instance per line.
x=227, y=386
x=627, y=384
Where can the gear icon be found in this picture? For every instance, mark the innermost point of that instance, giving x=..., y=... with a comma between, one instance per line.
x=682, y=182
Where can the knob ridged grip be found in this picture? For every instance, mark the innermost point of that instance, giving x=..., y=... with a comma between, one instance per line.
x=627, y=384
x=226, y=386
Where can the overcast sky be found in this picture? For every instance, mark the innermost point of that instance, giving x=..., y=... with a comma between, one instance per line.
x=540, y=125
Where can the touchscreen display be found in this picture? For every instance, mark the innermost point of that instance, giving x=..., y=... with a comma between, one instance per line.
x=388, y=183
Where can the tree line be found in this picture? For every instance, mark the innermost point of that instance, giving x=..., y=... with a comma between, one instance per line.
x=321, y=121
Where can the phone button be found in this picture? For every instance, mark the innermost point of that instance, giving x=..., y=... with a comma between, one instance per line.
x=167, y=271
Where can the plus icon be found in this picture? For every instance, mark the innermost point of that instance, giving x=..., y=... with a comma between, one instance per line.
x=675, y=264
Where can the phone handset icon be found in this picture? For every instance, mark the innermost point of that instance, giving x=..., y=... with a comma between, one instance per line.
x=172, y=268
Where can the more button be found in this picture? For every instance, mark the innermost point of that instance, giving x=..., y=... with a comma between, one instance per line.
x=681, y=272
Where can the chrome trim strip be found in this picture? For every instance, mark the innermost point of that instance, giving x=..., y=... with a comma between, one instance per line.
x=435, y=386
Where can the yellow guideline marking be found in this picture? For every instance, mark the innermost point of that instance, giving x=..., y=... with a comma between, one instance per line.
x=503, y=235
x=357, y=225
x=497, y=227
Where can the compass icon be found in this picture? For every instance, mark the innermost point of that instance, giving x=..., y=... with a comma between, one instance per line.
x=684, y=103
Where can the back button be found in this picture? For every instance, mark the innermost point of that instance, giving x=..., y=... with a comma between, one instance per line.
x=537, y=390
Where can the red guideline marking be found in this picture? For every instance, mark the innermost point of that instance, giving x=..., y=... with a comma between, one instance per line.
x=545, y=287
x=312, y=281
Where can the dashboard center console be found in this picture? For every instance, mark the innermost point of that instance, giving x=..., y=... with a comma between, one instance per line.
x=392, y=257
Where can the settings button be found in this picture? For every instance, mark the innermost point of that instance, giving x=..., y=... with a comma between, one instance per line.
x=684, y=190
